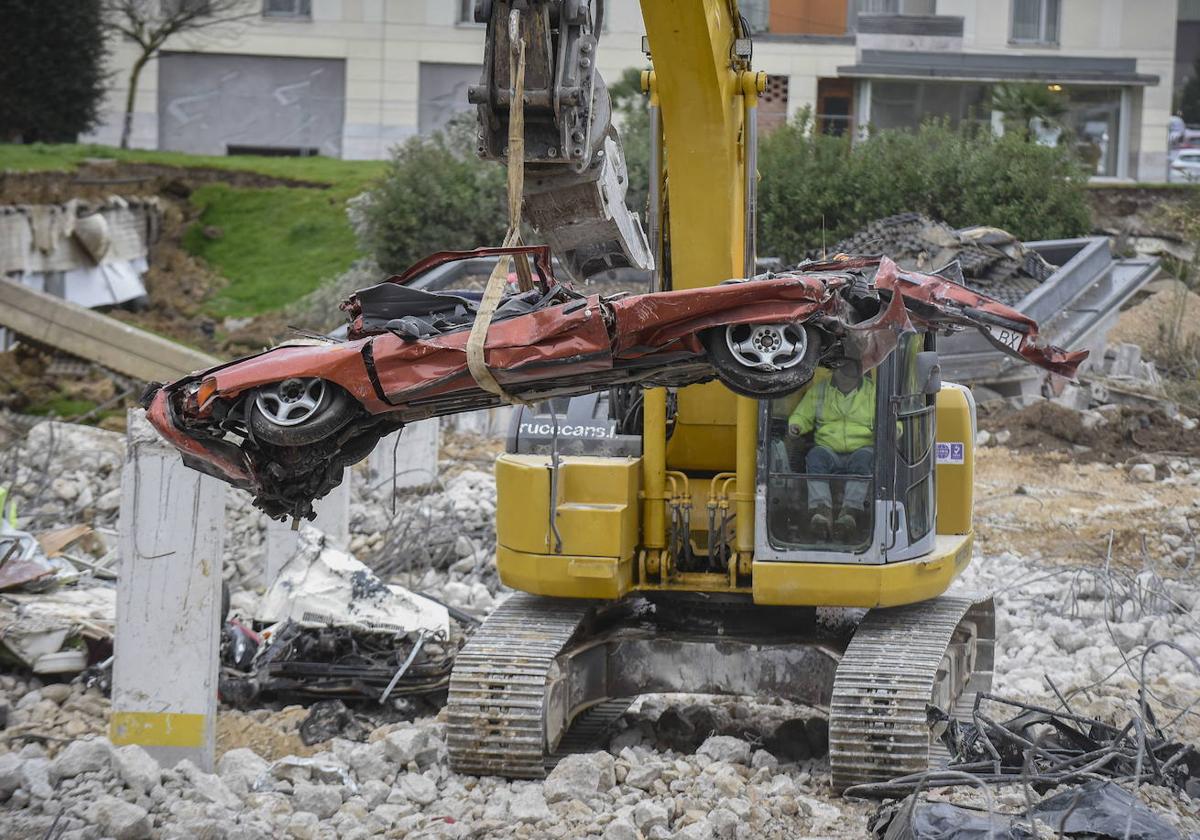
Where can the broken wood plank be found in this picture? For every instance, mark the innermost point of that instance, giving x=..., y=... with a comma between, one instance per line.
x=96, y=337
x=54, y=542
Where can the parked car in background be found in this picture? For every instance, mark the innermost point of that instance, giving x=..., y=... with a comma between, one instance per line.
x=1185, y=167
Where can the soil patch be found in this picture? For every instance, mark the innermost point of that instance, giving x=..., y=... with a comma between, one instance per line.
x=1128, y=433
x=1050, y=505
x=106, y=178
x=1166, y=325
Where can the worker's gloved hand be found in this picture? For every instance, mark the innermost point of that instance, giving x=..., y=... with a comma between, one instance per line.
x=794, y=429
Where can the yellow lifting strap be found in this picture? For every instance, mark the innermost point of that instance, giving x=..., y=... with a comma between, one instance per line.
x=516, y=179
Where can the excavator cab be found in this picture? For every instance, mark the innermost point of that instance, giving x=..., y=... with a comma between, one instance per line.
x=848, y=475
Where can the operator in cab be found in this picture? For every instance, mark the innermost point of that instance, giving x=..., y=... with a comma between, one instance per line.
x=840, y=414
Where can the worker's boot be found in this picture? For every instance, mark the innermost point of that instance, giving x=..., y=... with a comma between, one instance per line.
x=820, y=522
x=847, y=525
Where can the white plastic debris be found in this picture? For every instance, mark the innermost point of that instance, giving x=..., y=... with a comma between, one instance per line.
x=321, y=585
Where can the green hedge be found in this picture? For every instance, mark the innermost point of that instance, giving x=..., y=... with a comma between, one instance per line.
x=814, y=188
x=436, y=195
x=965, y=176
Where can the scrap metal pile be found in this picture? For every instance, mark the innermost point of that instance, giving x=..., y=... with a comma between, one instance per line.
x=1042, y=749
x=329, y=628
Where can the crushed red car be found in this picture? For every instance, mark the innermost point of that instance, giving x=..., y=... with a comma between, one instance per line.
x=283, y=424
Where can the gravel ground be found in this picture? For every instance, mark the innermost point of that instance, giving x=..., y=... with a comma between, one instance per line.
x=1083, y=620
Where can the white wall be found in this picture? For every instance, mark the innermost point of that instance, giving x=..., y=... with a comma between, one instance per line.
x=1139, y=29
x=383, y=43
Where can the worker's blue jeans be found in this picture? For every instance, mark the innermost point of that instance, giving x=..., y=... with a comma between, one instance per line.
x=822, y=460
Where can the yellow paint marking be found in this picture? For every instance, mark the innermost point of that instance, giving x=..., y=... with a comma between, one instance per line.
x=157, y=729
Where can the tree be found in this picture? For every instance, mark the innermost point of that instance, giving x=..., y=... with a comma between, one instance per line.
x=151, y=23
x=633, y=111
x=51, y=78
x=1189, y=101
x=435, y=195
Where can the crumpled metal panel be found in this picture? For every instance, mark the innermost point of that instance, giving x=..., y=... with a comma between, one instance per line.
x=938, y=302
x=672, y=320
x=873, y=340
x=572, y=339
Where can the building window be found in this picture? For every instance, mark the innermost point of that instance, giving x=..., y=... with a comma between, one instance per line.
x=1093, y=123
x=466, y=11
x=757, y=13
x=287, y=8
x=896, y=104
x=1035, y=21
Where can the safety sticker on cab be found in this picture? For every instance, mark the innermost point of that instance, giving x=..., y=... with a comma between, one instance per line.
x=950, y=453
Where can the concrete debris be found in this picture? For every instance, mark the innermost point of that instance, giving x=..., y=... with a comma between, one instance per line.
x=90, y=253
x=584, y=776
x=59, y=631
x=1142, y=472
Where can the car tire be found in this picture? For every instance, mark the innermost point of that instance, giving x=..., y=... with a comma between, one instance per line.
x=332, y=410
x=742, y=378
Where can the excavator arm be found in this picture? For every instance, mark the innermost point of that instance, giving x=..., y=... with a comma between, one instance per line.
x=575, y=176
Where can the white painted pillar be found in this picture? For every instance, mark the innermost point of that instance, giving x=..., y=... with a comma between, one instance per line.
x=486, y=422
x=333, y=519
x=410, y=455
x=167, y=643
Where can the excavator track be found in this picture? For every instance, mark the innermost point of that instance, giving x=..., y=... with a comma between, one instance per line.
x=899, y=661
x=496, y=708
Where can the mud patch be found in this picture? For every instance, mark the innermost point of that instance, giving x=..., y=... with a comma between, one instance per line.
x=271, y=734
x=1126, y=433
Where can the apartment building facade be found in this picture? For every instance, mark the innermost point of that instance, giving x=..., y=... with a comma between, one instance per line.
x=350, y=78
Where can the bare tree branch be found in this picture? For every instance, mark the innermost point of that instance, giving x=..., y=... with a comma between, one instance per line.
x=151, y=23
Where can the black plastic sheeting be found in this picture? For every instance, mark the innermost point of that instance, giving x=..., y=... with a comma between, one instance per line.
x=1097, y=809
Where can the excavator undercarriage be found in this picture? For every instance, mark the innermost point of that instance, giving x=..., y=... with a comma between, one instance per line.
x=544, y=676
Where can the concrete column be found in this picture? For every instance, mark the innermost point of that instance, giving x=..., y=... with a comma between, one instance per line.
x=333, y=519
x=411, y=455
x=167, y=642
x=486, y=422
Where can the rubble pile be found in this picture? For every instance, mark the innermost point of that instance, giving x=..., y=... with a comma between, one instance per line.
x=438, y=541
x=1079, y=631
x=989, y=260
x=680, y=768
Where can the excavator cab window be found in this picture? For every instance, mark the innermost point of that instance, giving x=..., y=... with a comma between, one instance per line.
x=847, y=441
x=821, y=462
x=910, y=473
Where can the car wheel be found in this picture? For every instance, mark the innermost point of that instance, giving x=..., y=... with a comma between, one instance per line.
x=299, y=411
x=764, y=360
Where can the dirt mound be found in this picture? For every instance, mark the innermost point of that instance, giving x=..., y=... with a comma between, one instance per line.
x=1125, y=433
x=1166, y=325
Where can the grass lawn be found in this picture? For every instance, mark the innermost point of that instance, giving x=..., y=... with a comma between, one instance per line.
x=276, y=243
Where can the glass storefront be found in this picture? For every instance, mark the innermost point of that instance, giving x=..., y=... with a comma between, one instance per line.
x=908, y=104
x=1090, y=122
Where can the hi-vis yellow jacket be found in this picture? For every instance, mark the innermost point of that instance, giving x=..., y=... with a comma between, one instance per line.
x=843, y=422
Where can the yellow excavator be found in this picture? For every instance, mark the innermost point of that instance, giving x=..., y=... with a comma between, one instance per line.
x=662, y=540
